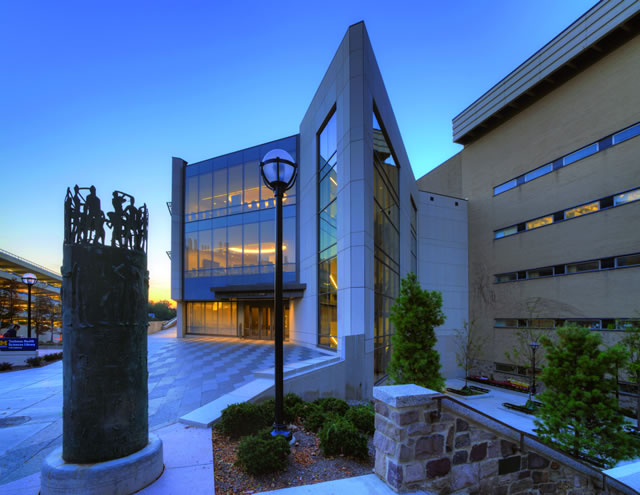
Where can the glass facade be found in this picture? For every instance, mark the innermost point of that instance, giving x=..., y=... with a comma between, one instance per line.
x=229, y=230
x=328, y=235
x=214, y=318
x=386, y=245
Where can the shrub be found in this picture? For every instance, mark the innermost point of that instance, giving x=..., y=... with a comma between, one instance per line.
x=314, y=417
x=5, y=366
x=415, y=314
x=263, y=453
x=363, y=417
x=291, y=405
x=35, y=362
x=238, y=420
x=331, y=404
x=340, y=436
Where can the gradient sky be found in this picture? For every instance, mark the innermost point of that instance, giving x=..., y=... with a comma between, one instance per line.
x=106, y=92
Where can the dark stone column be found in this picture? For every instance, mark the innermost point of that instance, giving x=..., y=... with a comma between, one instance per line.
x=104, y=295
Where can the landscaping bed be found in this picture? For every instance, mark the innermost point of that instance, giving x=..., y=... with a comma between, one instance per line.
x=469, y=391
x=34, y=362
x=331, y=441
x=307, y=466
x=508, y=384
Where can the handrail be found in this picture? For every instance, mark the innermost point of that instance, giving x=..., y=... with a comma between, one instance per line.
x=535, y=440
x=28, y=261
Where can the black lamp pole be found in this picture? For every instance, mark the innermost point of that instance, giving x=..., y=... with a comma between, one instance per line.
x=29, y=279
x=279, y=174
x=534, y=347
x=279, y=320
x=29, y=311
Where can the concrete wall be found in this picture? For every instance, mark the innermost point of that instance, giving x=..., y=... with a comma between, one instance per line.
x=351, y=84
x=177, y=239
x=443, y=266
x=595, y=103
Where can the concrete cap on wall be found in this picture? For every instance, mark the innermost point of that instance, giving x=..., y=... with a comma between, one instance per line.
x=404, y=395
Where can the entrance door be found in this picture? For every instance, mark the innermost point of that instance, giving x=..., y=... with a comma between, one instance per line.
x=258, y=321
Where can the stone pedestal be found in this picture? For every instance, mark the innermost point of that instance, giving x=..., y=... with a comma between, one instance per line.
x=121, y=476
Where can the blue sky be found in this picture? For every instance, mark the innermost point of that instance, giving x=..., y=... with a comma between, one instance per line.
x=105, y=93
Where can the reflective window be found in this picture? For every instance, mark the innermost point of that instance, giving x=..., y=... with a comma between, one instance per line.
x=212, y=318
x=191, y=198
x=506, y=277
x=386, y=245
x=506, y=232
x=540, y=171
x=414, y=236
x=205, y=192
x=505, y=187
x=220, y=191
x=627, y=197
x=628, y=133
x=581, y=210
x=540, y=272
x=327, y=235
x=580, y=154
x=252, y=181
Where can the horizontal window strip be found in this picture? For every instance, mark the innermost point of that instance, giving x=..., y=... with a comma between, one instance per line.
x=609, y=263
x=553, y=323
x=600, y=145
x=569, y=213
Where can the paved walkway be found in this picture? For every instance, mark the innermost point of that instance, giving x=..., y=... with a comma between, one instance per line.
x=184, y=374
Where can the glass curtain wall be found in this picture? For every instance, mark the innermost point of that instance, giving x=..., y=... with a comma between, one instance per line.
x=386, y=245
x=328, y=235
x=213, y=318
x=230, y=219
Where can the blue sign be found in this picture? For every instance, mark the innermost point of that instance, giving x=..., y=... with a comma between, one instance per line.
x=15, y=344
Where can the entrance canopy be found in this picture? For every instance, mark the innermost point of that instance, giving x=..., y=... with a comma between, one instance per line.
x=257, y=291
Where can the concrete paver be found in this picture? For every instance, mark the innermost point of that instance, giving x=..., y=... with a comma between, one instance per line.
x=184, y=374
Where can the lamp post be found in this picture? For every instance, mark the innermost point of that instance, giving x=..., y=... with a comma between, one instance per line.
x=534, y=346
x=278, y=173
x=30, y=279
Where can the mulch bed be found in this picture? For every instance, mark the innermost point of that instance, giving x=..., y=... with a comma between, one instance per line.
x=306, y=466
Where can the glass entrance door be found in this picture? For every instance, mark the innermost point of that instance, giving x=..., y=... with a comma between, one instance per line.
x=258, y=321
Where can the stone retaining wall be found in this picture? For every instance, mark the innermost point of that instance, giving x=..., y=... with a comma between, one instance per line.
x=420, y=446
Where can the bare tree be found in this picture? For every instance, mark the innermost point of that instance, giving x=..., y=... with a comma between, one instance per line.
x=9, y=301
x=523, y=353
x=469, y=344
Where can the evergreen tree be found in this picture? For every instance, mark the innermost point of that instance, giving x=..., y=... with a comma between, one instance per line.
x=579, y=410
x=631, y=342
x=415, y=314
x=9, y=301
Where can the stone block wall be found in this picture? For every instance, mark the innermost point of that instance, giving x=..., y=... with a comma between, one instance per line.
x=420, y=446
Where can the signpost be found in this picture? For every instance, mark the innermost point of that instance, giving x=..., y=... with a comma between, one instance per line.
x=15, y=344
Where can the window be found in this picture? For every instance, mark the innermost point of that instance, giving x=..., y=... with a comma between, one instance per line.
x=506, y=277
x=539, y=222
x=540, y=171
x=627, y=197
x=540, y=272
x=583, y=267
x=386, y=243
x=502, y=322
x=505, y=187
x=506, y=232
x=628, y=133
x=602, y=144
x=581, y=210
x=580, y=154
x=414, y=236
x=328, y=234
x=629, y=260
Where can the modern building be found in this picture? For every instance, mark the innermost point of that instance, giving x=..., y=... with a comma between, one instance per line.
x=534, y=223
x=551, y=173
x=350, y=226
x=45, y=295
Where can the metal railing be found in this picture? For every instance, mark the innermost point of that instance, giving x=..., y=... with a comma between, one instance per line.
x=28, y=261
x=537, y=444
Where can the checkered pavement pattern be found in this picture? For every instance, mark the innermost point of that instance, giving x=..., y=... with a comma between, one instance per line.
x=187, y=373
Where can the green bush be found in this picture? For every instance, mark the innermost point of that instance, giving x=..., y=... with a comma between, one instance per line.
x=5, y=366
x=363, y=418
x=52, y=357
x=331, y=404
x=263, y=453
x=35, y=362
x=340, y=436
x=314, y=417
x=239, y=420
x=291, y=404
